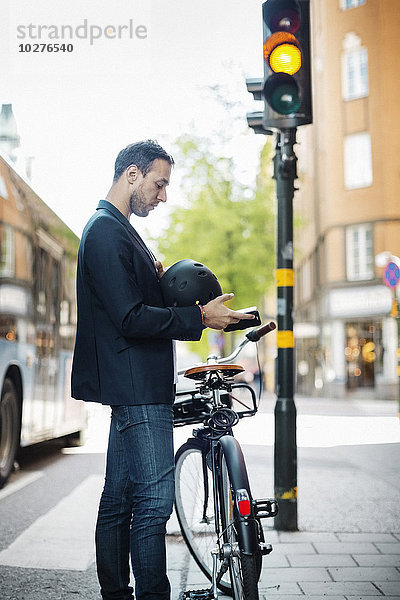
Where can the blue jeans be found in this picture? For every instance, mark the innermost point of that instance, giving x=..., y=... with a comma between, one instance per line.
x=136, y=503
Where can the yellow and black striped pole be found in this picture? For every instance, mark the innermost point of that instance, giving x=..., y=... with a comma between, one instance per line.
x=285, y=452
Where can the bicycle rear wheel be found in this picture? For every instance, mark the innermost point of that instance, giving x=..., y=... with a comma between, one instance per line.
x=196, y=517
x=197, y=521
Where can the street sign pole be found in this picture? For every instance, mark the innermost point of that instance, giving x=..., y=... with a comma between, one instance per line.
x=398, y=357
x=395, y=314
x=285, y=452
x=391, y=278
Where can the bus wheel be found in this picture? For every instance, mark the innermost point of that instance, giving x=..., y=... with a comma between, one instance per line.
x=9, y=429
x=75, y=440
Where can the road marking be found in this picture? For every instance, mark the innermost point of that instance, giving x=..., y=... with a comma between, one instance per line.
x=63, y=538
x=20, y=483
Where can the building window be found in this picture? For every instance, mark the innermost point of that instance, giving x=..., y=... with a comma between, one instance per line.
x=3, y=189
x=346, y=4
x=357, y=161
x=7, y=251
x=355, y=74
x=359, y=253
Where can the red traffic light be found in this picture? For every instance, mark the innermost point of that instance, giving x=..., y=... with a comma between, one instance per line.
x=286, y=17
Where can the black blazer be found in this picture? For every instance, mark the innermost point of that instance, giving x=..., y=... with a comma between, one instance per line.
x=123, y=349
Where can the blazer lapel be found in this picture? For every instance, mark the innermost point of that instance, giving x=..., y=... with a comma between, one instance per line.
x=104, y=204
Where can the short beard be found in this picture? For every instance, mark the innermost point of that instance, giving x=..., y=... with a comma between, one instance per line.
x=137, y=203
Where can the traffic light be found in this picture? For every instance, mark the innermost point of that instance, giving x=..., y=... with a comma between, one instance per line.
x=287, y=70
x=255, y=120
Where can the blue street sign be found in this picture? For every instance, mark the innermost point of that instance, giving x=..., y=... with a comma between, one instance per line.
x=391, y=276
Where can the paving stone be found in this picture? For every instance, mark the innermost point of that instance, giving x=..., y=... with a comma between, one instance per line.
x=288, y=597
x=274, y=560
x=365, y=574
x=301, y=547
x=368, y=597
x=346, y=548
x=389, y=548
x=320, y=560
x=293, y=597
x=330, y=588
x=366, y=537
x=197, y=579
x=298, y=597
x=278, y=576
x=377, y=560
x=388, y=588
x=307, y=536
x=267, y=589
x=175, y=581
x=176, y=555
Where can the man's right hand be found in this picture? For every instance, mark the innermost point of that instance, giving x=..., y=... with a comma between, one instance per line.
x=218, y=316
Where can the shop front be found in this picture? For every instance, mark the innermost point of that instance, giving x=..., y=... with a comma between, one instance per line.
x=354, y=353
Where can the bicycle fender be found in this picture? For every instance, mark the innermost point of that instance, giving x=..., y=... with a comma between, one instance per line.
x=246, y=526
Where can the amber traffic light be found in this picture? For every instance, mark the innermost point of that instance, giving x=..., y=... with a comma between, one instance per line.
x=286, y=51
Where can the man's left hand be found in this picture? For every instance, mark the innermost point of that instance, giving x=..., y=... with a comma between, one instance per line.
x=160, y=269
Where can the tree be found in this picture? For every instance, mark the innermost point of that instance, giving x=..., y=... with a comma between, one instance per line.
x=221, y=224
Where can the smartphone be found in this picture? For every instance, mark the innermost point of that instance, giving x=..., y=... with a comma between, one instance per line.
x=245, y=323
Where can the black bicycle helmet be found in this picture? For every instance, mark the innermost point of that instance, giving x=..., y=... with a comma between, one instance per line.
x=188, y=282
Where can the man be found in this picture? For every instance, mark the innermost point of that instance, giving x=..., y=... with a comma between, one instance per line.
x=124, y=358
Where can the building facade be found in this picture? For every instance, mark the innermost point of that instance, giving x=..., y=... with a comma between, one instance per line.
x=348, y=205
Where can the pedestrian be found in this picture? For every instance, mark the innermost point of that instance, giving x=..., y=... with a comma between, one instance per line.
x=124, y=358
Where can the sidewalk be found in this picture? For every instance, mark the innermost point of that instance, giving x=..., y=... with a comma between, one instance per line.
x=348, y=543
x=340, y=566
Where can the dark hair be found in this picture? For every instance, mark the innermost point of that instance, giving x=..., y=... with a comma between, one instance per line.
x=141, y=154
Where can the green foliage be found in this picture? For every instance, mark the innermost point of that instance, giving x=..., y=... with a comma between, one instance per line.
x=222, y=225
x=227, y=227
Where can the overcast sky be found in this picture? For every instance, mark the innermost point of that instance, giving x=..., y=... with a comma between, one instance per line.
x=76, y=110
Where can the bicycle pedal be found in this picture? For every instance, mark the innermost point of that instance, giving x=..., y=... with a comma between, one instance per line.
x=265, y=549
x=196, y=595
x=265, y=508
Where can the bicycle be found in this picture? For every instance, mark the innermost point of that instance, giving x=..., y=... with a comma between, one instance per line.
x=219, y=519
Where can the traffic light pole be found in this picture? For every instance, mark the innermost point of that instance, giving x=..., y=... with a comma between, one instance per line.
x=285, y=454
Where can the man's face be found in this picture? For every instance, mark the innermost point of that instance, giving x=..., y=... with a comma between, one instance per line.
x=151, y=189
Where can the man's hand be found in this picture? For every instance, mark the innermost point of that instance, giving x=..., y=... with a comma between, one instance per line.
x=218, y=316
x=160, y=269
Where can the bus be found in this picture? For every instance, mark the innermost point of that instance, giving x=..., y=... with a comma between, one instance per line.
x=37, y=322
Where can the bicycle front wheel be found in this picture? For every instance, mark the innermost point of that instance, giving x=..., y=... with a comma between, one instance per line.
x=194, y=507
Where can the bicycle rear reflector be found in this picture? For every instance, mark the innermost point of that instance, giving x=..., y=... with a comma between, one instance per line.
x=243, y=502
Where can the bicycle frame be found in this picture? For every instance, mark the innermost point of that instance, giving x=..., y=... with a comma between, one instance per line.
x=239, y=542
x=238, y=476
x=249, y=530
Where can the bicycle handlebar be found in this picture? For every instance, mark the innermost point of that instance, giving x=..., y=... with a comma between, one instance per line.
x=251, y=336
x=256, y=334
